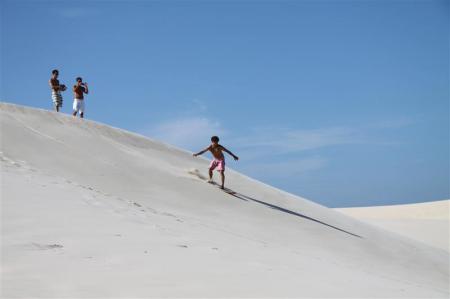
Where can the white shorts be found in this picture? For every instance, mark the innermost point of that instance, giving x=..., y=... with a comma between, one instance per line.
x=78, y=105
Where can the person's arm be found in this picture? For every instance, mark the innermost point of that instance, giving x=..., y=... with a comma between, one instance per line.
x=86, y=90
x=201, y=152
x=230, y=153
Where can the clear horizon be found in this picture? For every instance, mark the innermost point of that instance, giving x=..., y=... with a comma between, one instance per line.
x=345, y=103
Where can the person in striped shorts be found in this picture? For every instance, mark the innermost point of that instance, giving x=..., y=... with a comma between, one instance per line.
x=56, y=90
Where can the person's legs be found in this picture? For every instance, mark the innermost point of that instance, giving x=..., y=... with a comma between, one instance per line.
x=81, y=108
x=212, y=166
x=75, y=107
x=222, y=177
x=221, y=169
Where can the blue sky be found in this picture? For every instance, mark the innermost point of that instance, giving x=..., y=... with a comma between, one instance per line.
x=345, y=103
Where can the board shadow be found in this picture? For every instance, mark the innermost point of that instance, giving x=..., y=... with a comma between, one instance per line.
x=272, y=206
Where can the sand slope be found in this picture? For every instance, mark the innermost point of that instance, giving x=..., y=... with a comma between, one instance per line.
x=93, y=211
x=427, y=222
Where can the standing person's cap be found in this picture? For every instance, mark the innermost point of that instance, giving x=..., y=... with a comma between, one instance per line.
x=79, y=79
x=55, y=72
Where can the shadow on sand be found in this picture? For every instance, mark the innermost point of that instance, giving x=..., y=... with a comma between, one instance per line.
x=248, y=198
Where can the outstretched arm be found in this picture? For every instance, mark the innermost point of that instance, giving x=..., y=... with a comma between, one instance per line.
x=201, y=152
x=230, y=153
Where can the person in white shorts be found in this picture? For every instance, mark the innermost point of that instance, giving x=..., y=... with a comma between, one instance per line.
x=79, y=89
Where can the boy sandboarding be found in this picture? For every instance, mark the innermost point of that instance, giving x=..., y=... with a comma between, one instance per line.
x=219, y=159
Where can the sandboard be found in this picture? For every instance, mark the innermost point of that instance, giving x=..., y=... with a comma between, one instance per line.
x=196, y=173
x=225, y=189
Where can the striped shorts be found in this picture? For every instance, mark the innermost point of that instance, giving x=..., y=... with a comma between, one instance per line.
x=57, y=98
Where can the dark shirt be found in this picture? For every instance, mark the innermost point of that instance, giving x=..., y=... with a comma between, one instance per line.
x=55, y=84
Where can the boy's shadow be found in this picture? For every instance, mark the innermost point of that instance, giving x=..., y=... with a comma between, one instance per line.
x=248, y=198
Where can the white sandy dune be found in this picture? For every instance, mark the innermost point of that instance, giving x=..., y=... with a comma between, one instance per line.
x=91, y=211
x=427, y=222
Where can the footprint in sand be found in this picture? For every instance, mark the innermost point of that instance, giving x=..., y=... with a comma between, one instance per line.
x=46, y=246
